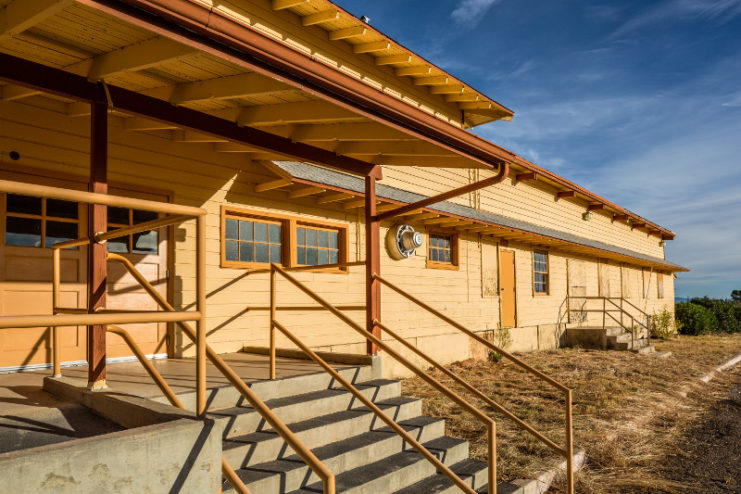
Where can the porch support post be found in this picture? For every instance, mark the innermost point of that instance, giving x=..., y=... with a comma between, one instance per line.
x=97, y=222
x=372, y=263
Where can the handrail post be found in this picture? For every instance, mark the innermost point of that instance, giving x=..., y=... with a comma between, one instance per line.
x=604, y=313
x=373, y=264
x=55, y=301
x=273, y=280
x=569, y=444
x=201, y=308
x=492, y=457
x=568, y=309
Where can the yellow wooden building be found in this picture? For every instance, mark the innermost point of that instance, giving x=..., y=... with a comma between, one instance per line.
x=303, y=133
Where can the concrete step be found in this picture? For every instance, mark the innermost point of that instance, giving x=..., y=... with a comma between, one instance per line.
x=259, y=447
x=473, y=472
x=296, y=408
x=615, y=331
x=389, y=475
x=643, y=350
x=292, y=473
x=633, y=344
x=612, y=340
x=228, y=396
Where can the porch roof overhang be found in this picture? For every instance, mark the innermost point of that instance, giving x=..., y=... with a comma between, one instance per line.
x=327, y=185
x=217, y=69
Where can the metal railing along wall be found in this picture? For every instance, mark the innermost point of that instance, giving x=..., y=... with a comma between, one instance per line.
x=483, y=418
x=567, y=452
x=260, y=407
x=615, y=307
x=177, y=213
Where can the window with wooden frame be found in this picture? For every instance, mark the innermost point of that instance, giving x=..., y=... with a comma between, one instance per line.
x=143, y=243
x=660, y=285
x=540, y=272
x=442, y=250
x=40, y=222
x=254, y=239
x=316, y=246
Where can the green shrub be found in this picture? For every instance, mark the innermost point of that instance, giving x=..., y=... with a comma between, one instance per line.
x=724, y=311
x=695, y=319
x=662, y=324
x=501, y=337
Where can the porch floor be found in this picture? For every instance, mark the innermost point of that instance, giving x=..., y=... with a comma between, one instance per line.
x=22, y=393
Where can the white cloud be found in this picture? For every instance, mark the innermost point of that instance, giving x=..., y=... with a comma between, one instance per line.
x=471, y=11
x=719, y=10
x=734, y=101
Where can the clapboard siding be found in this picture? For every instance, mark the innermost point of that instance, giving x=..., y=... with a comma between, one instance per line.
x=195, y=175
x=534, y=202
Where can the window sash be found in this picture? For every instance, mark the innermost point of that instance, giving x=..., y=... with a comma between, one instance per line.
x=440, y=248
x=540, y=272
x=317, y=246
x=296, y=241
x=29, y=224
x=253, y=240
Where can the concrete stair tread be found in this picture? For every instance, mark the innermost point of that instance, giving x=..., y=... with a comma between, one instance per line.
x=353, y=452
x=388, y=475
x=473, y=472
x=620, y=338
x=645, y=349
x=242, y=450
x=222, y=396
x=243, y=419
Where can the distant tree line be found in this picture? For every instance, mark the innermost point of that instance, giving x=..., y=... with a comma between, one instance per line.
x=709, y=315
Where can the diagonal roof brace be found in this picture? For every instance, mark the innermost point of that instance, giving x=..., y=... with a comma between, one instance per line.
x=503, y=173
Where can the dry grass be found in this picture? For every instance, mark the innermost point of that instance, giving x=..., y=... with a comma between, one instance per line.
x=629, y=410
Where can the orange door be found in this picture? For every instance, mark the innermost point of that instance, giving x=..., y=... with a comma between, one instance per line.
x=148, y=252
x=507, y=287
x=29, y=226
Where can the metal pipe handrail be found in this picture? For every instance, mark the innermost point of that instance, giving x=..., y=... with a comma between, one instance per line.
x=486, y=420
x=568, y=451
x=305, y=307
x=478, y=338
x=49, y=192
x=141, y=227
x=322, y=267
x=610, y=299
x=60, y=193
x=633, y=319
x=123, y=231
x=226, y=469
x=386, y=330
x=97, y=318
x=260, y=407
x=377, y=411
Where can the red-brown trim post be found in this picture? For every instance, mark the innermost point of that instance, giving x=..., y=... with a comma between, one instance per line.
x=97, y=222
x=372, y=263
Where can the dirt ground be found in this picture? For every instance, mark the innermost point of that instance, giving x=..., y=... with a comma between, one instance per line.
x=710, y=451
x=647, y=424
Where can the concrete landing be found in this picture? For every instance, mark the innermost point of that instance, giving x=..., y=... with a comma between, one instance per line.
x=44, y=426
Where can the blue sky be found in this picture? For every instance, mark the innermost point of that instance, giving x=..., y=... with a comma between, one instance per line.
x=638, y=101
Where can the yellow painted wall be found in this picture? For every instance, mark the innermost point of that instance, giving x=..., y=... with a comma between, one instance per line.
x=47, y=139
x=533, y=202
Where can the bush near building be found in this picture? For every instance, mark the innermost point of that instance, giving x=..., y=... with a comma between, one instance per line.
x=707, y=315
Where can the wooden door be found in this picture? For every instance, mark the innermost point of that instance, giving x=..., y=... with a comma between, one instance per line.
x=507, y=288
x=28, y=228
x=148, y=252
